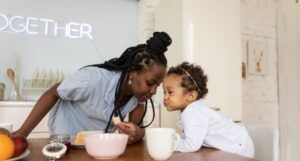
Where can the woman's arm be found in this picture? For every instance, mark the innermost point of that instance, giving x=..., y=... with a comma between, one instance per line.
x=41, y=108
x=136, y=115
x=131, y=128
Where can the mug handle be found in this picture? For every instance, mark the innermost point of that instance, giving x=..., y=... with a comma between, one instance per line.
x=176, y=139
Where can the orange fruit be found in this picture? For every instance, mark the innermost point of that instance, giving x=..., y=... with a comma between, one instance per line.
x=7, y=147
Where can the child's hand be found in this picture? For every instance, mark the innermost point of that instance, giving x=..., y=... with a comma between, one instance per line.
x=134, y=132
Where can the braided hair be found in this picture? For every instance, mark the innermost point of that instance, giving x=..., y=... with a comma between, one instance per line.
x=133, y=58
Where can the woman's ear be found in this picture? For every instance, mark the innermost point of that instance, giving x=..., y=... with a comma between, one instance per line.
x=132, y=74
x=192, y=96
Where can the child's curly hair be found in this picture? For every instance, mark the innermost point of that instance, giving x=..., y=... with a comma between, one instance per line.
x=193, y=78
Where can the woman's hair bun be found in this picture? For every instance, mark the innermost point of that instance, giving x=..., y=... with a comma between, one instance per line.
x=159, y=42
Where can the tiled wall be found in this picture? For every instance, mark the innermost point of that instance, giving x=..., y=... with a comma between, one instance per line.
x=260, y=93
x=146, y=19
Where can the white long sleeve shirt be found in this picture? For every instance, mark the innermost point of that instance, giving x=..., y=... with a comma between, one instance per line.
x=202, y=126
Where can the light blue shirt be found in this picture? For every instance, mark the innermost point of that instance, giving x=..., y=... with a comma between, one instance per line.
x=86, y=102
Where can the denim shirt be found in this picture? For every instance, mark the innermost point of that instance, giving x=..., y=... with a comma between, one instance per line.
x=86, y=102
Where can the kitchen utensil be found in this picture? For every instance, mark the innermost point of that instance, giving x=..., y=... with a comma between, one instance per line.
x=11, y=74
x=2, y=89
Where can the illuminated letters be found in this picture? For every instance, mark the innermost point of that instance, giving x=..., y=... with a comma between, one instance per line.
x=43, y=26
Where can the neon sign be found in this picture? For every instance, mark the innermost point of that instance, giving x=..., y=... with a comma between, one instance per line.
x=43, y=26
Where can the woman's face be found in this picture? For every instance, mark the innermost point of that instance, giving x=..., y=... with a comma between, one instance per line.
x=145, y=82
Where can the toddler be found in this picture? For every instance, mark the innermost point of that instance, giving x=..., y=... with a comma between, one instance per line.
x=184, y=87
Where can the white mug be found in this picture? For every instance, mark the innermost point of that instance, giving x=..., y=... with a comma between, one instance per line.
x=161, y=142
x=7, y=126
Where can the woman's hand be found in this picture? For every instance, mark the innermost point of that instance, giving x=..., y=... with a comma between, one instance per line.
x=134, y=132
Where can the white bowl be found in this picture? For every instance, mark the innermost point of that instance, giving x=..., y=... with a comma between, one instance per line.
x=106, y=145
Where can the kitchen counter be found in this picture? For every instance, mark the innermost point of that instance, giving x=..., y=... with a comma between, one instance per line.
x=136, y=152
x=17, y=103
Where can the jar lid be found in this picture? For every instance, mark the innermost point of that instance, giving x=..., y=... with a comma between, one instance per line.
x=55, y=150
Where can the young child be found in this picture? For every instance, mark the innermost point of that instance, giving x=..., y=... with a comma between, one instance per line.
x=184, y=87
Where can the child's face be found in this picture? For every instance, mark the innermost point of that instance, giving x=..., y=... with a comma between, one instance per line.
x=175, y=96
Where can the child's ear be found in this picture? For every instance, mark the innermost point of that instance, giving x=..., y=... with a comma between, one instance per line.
x=192, y=96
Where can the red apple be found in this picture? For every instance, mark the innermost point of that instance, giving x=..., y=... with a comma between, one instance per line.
x=20, y=142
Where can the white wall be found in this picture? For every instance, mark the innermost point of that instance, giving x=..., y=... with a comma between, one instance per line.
x=215, y=45
x=168, y=18
x=114, y=23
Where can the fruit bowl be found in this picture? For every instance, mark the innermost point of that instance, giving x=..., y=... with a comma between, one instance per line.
x=12, y=146
x=22, y=156
x=106, y=145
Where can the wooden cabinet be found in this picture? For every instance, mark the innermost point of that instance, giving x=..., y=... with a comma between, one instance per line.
x=17, y=112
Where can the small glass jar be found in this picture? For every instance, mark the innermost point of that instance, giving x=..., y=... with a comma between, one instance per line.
x=2, y=89
x=61, y=138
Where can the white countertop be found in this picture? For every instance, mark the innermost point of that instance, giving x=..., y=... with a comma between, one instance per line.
x=17, y=103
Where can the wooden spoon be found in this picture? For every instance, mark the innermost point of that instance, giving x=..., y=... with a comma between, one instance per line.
x=11, y=75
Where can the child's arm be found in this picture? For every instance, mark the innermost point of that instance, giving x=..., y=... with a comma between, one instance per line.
x=195, y=127
x=41, y=108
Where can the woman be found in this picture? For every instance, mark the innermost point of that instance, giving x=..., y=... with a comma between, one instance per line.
x=89, y=98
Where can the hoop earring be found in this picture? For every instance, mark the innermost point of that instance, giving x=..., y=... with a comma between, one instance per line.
x=129, y=82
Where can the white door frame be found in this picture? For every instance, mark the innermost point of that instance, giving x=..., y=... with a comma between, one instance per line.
x=282, y=82
x=286, y=93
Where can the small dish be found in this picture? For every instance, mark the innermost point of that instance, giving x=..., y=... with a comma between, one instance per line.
x=23, y=155
x=78, y=140
x=73, y=144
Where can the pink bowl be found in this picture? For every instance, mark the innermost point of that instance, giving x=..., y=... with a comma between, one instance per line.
x=106, y=145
